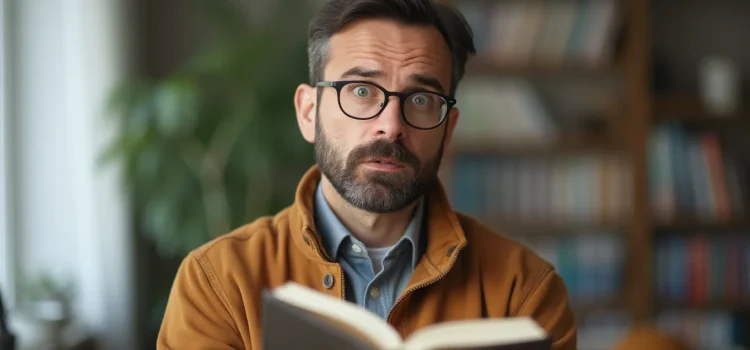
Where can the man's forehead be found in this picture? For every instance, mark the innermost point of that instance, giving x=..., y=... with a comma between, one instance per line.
x=383, y=44
x=390, y=37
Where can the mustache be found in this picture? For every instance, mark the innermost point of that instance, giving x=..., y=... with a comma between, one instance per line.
x=383, y=149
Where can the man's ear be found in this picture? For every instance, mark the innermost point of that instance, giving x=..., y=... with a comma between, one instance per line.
x=452, y=120
x=305, y=100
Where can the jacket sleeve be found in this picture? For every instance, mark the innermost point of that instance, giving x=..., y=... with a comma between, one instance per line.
x=547, y=303
x=198, y=314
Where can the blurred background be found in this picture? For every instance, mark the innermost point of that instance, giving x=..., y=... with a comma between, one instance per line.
x=610, y=136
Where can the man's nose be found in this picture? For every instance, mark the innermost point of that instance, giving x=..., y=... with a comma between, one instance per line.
x=389, y=122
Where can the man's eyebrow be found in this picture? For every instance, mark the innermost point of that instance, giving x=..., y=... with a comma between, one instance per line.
x=362, y=73
x=427, y=80
x=420, y=79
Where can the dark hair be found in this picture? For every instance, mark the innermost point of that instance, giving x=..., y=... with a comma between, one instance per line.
x=336, y=14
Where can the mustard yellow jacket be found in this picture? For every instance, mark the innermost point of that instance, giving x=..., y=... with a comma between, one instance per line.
x=466, y=272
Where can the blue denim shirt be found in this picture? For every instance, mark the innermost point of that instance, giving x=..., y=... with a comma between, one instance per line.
x=375, y=292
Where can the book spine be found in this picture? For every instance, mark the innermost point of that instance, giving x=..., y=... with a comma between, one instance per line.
x=718, y=178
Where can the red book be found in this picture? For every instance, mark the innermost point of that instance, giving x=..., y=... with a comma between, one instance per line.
x=697, y=270
x=718, y=180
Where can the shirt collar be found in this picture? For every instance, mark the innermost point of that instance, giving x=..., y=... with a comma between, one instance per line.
x=333, y=233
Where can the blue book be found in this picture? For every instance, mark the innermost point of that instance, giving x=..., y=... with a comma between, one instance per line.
x=681, y=171
x=678, y=269
x=568, y=266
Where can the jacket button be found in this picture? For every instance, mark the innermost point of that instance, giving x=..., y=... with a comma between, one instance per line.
x=328, y=281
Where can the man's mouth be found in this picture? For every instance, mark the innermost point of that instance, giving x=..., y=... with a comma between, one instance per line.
x=384, y=163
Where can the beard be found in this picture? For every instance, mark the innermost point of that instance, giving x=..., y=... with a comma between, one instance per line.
x=375, y=191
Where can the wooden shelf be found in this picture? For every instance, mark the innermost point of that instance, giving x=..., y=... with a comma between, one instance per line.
x=552, y=229
x=588, y=307
x=484, y=66
x=710, y=305
x=571, y=145
x=687, y=109
x=709, y=122
x=691, y=226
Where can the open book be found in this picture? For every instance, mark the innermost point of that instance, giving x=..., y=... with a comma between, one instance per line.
x=297, y=317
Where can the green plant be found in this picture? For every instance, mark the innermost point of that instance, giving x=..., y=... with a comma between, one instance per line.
x=215, y=144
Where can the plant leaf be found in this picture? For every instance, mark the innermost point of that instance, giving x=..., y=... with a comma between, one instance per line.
x=176, y=105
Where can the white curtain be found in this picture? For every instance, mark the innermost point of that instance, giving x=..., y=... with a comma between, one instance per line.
x=7, y=286
x=70, y=218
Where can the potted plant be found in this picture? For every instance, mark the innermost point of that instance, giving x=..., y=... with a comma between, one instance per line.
x=44, y=311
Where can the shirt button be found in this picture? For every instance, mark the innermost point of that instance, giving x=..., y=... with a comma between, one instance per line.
x=357, y=249
x=374, y=292
x=328, y=281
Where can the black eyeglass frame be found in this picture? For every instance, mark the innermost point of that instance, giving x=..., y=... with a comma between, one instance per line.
x=338, y=85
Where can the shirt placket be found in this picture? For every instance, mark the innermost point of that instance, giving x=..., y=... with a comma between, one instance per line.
x=378, y=292
x=373, y=296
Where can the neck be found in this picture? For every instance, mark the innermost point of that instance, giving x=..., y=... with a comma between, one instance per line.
x=373, y=229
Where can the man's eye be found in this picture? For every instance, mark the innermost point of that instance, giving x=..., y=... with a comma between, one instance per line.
x=419, y=100
x=362, y=91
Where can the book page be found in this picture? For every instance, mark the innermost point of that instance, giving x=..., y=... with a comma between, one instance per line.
x=358, y=319
x=477, y=333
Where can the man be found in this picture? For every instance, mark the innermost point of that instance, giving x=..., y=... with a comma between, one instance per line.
x=370, y=223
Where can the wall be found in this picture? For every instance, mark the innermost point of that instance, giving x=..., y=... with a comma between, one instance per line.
x=70, y=218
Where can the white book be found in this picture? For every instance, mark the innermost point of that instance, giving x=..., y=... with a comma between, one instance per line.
x=324, y=322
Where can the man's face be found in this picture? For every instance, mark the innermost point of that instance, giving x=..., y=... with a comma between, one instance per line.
x=382, y=165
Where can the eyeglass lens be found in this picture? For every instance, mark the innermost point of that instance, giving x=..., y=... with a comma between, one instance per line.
x=364, y=101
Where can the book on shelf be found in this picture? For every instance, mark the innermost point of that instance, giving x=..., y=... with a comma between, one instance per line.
x=703, y=270
x=702, y=284
x=508, y=110
x=551, y=45
x=546, y=33
x=324, y=322
x=706, y=330
x=580, y=189
x=590, y=263
x=691, y=174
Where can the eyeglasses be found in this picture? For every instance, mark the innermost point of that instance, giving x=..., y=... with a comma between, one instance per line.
x=363, y=100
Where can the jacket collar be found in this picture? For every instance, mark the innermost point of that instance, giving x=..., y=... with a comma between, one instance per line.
x=444, y=234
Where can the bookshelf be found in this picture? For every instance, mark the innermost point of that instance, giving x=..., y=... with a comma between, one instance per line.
x=558, y=148
x=739, y=305
x=686, y=108
x=682, y=225
x=631, y=105
x=542, y=230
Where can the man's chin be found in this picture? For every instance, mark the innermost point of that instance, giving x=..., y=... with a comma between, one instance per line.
x=383, y=186
x=373, y=187
x=378, y=205
x=376, y=197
